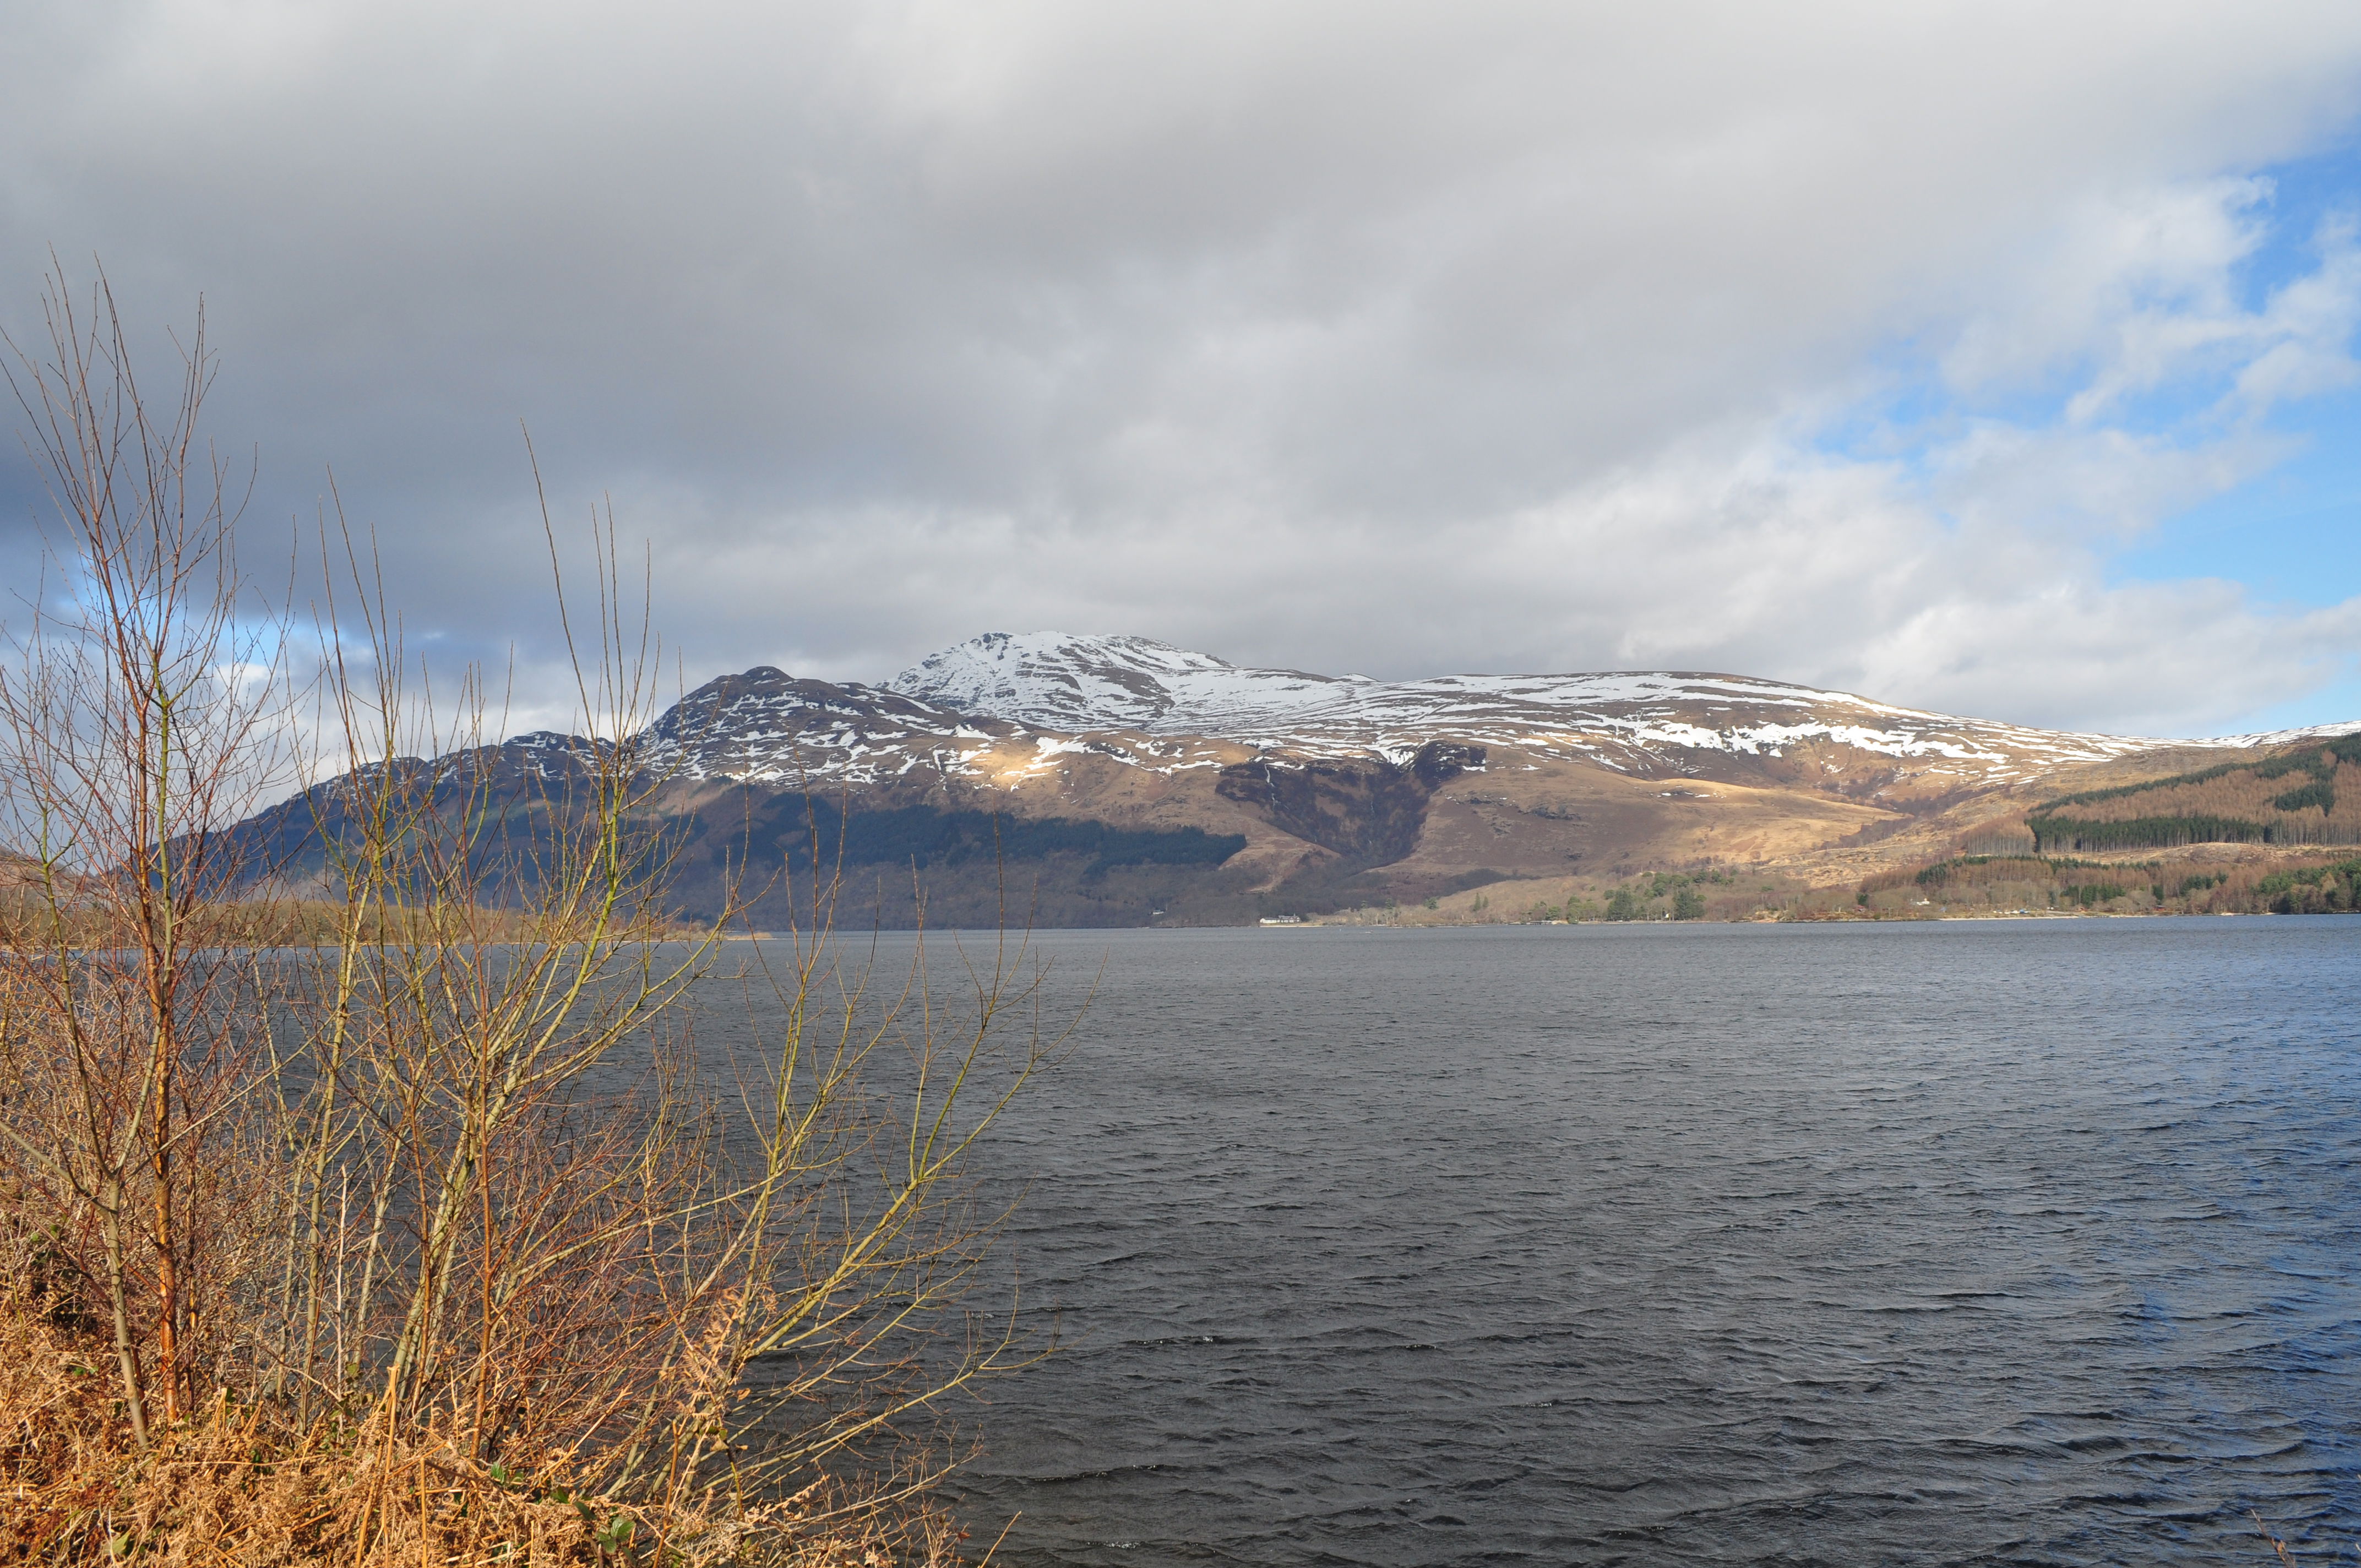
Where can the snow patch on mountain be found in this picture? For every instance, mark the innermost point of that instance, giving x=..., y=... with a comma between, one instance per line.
x=1061, y=681
x=1625, y=719
x=766, y=727
x=1004, y=707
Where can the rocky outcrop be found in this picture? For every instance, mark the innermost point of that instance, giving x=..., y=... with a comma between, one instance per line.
x=1369, y=812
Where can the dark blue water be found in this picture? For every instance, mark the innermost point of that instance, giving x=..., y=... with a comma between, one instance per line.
x=1915, y=1244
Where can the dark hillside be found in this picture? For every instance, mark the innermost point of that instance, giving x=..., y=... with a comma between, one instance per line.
x=772, y=846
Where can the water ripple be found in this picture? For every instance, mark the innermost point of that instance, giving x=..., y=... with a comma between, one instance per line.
x=1960, y=1244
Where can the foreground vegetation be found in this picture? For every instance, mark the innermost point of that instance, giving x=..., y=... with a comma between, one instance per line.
x=387, y=1227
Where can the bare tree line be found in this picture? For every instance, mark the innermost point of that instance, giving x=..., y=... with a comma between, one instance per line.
x=443, y=1235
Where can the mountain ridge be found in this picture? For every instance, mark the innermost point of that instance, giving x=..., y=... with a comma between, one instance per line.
x=1139, y=782
x=1002, y=706
x=1069, y=681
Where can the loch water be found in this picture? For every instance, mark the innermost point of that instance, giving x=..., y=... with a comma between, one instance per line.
x=1965, y=1242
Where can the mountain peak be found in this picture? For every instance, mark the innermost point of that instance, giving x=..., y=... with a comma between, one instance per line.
x=1064, y=680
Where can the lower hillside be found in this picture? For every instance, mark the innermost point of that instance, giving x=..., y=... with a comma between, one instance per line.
x=1100, y=833
x=953, y=865
x=1988, y=885
x=2304, y=796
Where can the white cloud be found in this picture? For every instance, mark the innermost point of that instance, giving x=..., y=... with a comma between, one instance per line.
x=1400, y=337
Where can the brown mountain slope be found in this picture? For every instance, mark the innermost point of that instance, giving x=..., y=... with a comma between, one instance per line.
x=1323, y=792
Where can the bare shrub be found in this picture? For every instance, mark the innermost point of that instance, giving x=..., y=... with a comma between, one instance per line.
x=440, y=1231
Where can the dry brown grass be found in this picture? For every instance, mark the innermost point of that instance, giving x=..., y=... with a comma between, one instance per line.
x=235, y=1483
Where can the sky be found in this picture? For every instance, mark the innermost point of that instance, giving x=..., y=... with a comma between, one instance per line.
x=1997, y=359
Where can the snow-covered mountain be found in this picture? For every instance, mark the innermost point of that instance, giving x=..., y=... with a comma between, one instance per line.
x=1005, y=706
x=1061, y=681
x=1124, y=777
x=1643, y=722
x=766, y=727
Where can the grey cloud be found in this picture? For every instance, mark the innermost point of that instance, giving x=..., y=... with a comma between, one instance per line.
x=1270, y=329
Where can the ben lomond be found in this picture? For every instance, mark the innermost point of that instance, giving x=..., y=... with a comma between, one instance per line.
x=1117, y=781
